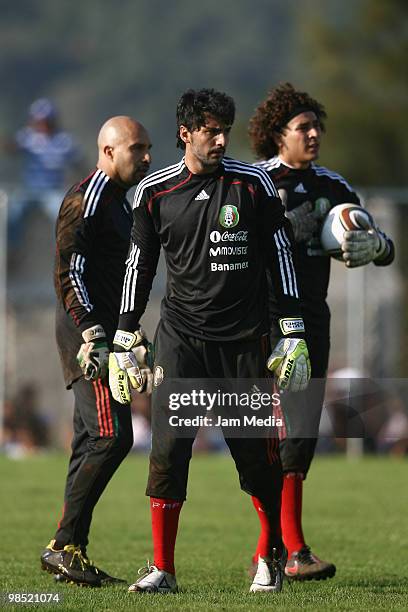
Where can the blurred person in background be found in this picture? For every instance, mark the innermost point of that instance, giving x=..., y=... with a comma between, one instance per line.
x=48, y=154
x=393, y=435
x=285, y=133
x=357, y=407
x=26, y=429
x=93, y=235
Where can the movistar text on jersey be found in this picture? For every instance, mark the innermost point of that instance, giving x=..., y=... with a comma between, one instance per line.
x=228, y=250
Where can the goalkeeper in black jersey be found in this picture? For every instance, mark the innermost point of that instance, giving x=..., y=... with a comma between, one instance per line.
x=285, y=132
x=221, y=224
x=92, y=236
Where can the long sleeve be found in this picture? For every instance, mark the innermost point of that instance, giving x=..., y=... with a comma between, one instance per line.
x=75, y=235
x=278, y=243
x=141, y=266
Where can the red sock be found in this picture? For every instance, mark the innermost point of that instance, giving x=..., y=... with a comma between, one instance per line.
x=165, y=516
x=291, y=512
x=270, y=536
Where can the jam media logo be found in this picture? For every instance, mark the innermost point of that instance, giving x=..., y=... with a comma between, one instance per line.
x=229, y=216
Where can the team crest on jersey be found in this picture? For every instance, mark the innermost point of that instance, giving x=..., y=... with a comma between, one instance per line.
x=229, y=216
x=321, y=207
x=158, y=376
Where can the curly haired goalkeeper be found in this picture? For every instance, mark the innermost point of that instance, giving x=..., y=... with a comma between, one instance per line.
x=285, y=132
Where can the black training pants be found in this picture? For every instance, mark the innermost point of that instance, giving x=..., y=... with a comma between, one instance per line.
x=102, y=438
x=256, y=459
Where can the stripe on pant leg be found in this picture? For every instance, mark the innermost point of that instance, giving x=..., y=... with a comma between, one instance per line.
x=107, y=406
x=99, y=409
x=103, y=409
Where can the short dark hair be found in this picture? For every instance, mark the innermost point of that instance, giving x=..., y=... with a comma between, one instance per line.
x=194, y=105
x=280, y=106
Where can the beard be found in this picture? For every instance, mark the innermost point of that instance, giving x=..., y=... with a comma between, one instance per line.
x=141, y=171
x=210, y=160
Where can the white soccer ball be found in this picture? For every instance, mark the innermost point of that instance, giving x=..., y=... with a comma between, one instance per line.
x=340, y=219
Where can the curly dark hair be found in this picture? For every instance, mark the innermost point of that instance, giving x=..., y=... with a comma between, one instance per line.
x=194, y=105
x=280, y=106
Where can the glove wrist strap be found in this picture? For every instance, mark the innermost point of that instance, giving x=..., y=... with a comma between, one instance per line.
x=93, y=333
x=291, y=325
x=128, y=340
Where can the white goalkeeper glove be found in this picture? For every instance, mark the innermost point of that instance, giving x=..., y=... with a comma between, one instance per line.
x=130, y=370
x=93, y=356
x=303, y=220
x=291, y=364
x=360, y=247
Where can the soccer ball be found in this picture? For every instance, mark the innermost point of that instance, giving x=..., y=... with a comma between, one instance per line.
x=342, y=218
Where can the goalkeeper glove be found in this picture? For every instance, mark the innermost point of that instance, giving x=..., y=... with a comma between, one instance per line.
x=290, y=363
x=360, y=247
x=93, y=355
x=303, y=221
x=130, y=369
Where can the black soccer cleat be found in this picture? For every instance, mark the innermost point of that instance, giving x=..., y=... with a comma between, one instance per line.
x=71, y=565
x=304, y=565
x=106, y=579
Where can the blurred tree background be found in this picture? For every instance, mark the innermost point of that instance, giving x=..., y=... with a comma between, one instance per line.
x=96, y=58
x=356, y=63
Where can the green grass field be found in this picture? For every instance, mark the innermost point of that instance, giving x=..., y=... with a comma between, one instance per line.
x=355, y=515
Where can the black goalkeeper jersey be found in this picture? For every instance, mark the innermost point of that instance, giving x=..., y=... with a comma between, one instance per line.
x=219, y=232
x=313, y=265
x=92, y=236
